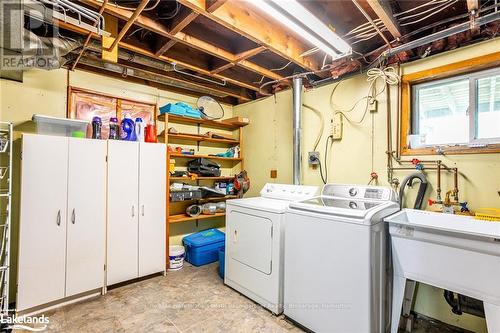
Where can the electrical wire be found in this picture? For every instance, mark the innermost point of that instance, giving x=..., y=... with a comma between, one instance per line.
x=322, y=124
x=388, y=75
x=325, y=177
x=431, y=14
x=173, y=13
x=115, y=4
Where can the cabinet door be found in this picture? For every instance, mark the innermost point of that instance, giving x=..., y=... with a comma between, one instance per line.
x=152, y=185
x=86, y=217
x=42, y=230
x=123, y=211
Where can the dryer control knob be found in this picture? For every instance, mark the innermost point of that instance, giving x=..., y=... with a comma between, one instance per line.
x=353, y=191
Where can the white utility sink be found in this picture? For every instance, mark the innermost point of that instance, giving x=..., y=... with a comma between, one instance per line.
x=452, y=252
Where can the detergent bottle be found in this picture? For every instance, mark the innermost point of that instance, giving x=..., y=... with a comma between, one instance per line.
x=139, y=129
x=113, y=128
x=127, y=129
x=96, y=128
x=151, y=132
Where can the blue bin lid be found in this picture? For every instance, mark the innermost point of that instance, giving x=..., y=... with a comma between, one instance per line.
x=204, y=237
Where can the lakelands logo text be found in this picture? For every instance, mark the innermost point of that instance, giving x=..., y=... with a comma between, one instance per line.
x=28, y=323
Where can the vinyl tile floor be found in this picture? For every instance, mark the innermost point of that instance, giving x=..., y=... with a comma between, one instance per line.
x=193, y=299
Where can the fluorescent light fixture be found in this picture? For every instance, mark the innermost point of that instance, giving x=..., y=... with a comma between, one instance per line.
x=296, y=17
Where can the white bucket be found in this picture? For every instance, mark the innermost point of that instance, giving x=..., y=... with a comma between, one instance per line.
x=176, y=255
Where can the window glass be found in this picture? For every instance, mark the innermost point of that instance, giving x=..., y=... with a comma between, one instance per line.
x=443, y=116
x=488, y=107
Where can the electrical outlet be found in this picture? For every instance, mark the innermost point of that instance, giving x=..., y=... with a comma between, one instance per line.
x=373, y=105
x=336, y=126
x=313, y=158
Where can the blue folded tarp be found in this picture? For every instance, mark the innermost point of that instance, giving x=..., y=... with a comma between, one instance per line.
x=180, y=109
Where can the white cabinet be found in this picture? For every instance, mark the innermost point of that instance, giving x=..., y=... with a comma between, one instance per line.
x=136, y=210
x=123, y=218
x=59, y=258
x=86, y=222
x=152, y=201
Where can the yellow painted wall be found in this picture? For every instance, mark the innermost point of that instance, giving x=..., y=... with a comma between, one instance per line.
x=268, y=144
x=44, y=92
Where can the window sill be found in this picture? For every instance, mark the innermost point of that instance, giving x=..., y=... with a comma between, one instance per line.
x=451, y=150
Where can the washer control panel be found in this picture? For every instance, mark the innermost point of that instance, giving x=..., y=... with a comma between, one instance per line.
x=359, y=192
x=289, y=192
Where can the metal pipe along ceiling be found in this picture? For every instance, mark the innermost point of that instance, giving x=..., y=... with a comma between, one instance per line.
x=297, y=129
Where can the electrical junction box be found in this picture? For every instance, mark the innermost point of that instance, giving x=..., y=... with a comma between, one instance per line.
x=336, y=126
x=373, y=105
x=313, y=158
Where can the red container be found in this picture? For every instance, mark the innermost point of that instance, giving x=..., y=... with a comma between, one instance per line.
x=151, y=133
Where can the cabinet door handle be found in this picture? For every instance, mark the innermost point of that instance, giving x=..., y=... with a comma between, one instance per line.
x=142, y=208
x=133, y=210
x=58, y=219
x=73, y=216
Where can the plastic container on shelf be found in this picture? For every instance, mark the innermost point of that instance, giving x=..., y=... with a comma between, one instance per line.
x=114, y=129
x=58, y=126
x=139, y=129
x=176, y=254
x=203, y=247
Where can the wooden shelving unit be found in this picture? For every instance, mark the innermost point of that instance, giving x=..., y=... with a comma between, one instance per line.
x=198, y=138
x=183, y=218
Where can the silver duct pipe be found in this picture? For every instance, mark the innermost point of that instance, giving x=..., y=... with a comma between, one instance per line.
x=297, y=129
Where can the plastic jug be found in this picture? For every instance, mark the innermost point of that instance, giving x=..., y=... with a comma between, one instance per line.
x=139, y=129
x=127, y=129
x=113, y=128
x=151, y=132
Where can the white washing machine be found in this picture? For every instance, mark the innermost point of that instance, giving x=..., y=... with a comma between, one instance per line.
x=254, y=242
x=335, y=259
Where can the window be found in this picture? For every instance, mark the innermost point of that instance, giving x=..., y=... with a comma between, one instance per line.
x=461, y=111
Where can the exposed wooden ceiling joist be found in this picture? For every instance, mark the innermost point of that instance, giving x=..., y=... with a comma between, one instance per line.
x=129, y=23
x=138, y=50
x=240, y=57
x=183, y=19
x=472, y=5
x=245, y=21
x=384, y=12
x=154, y=26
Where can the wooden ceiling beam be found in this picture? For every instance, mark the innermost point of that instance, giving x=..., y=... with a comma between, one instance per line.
x=169, y=60
x=183, y=20
x=472, y=5
x=129, y=23
x=154, y=26
x=238, y=58
x=239, y=17
x=383, y=10
x=169, y=79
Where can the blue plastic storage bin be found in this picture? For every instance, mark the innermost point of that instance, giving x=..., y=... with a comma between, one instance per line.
x=203, y=247
x=222, y=255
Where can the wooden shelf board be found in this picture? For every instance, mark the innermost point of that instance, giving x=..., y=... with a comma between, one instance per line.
x=200, y=138
x=202, y=178
x=203, y=122
x=204, y=156
x=183, y=217
x=227, y=197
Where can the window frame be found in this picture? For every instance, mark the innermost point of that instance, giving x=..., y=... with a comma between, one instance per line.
x=473, y=69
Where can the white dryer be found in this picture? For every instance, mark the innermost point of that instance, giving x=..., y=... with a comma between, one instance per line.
x=254, y=242
x=335, y=272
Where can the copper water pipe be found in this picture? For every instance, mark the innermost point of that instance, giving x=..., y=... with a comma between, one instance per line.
x=455, y=184
x=438, y=188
